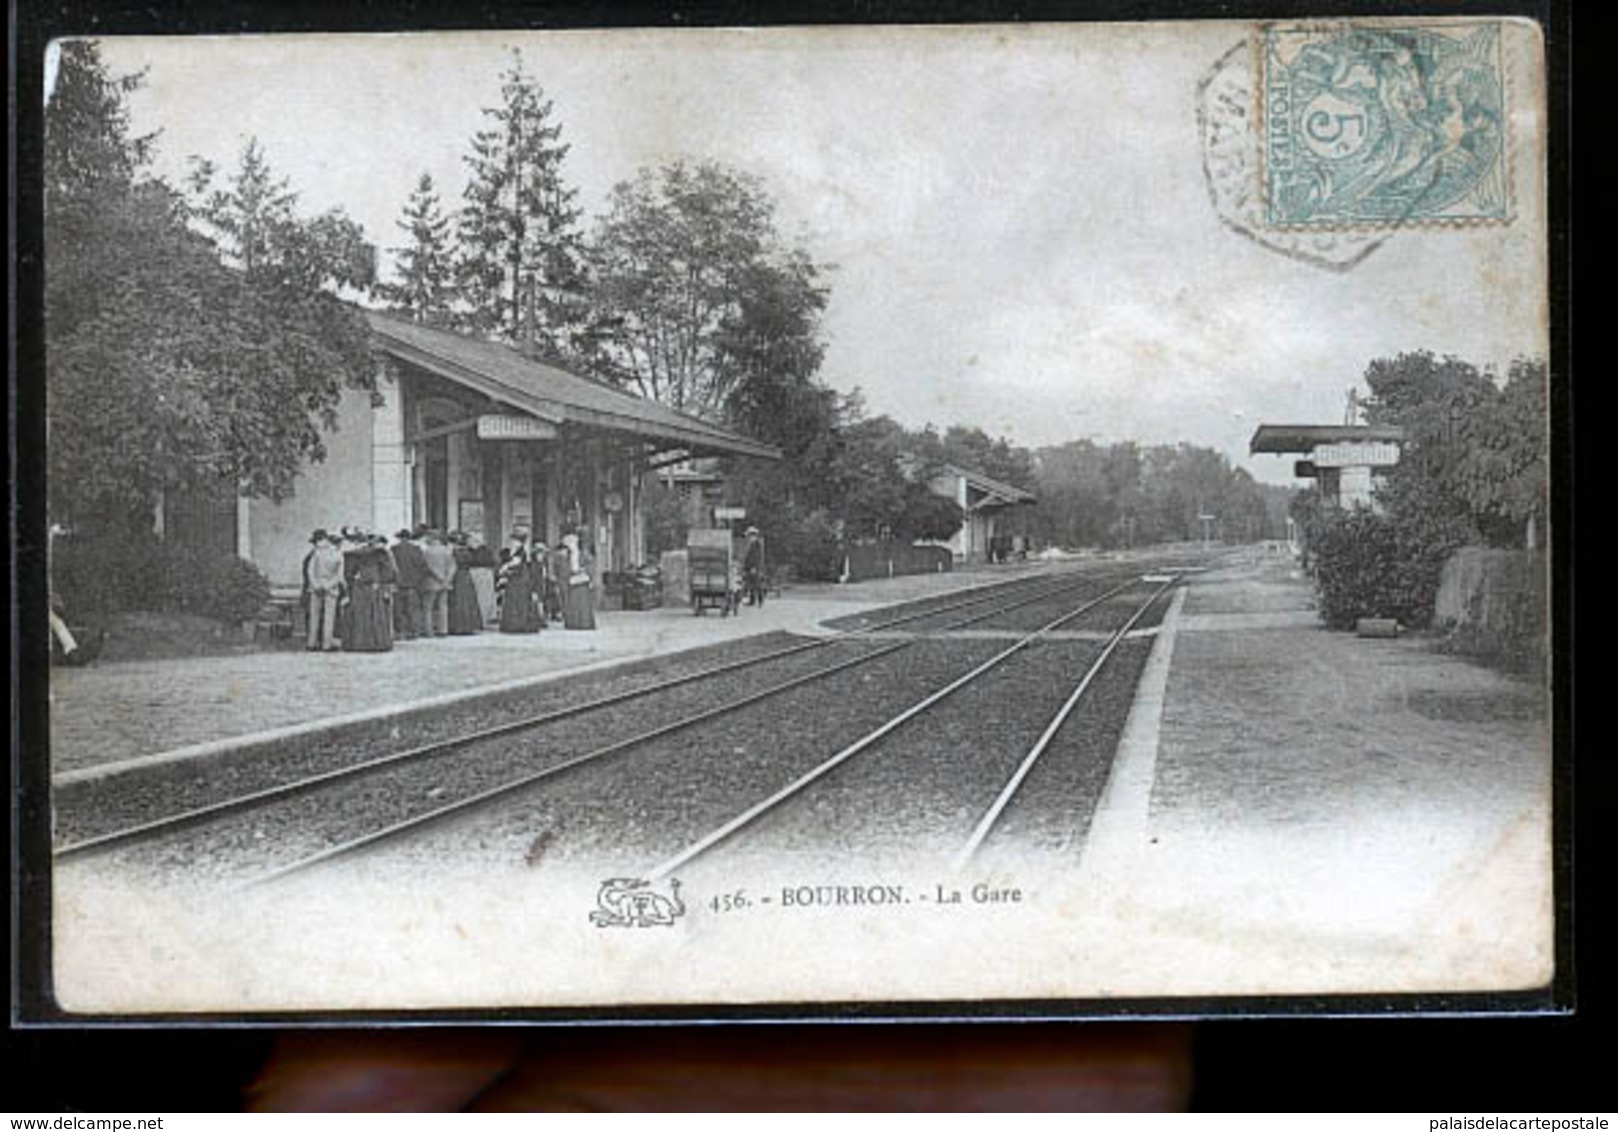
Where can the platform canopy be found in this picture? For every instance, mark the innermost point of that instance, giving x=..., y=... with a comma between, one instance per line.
x=984, y=492
x=551, y=394
x=1284, y=439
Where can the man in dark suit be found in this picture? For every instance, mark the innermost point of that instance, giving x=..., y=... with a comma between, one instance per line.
x=409, y=619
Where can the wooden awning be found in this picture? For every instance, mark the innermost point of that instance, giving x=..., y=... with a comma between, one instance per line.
x=551, y=394
x=1284, y=439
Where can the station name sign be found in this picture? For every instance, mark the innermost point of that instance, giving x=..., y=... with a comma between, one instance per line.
x=495, y=426
x=1356, y=454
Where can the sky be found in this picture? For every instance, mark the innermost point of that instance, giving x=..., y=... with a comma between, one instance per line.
x=1020, y=228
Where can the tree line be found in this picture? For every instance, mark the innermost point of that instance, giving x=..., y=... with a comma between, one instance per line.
x=1125, y=494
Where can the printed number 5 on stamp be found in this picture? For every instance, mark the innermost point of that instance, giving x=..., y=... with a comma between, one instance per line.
x=1383, y=126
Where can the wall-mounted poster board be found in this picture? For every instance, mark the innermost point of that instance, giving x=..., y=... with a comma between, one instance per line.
x=470, y=518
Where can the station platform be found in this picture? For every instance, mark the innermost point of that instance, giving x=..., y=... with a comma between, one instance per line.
x=110, y=714
x=1320, y=812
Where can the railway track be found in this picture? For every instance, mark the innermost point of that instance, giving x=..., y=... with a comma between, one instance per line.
x=795, y=791
x=999, y=598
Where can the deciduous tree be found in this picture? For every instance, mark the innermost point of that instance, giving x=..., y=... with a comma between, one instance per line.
x=696, y=292
x=969, y=447
x=174, y=362
x=1473, y=460
x=885, y=477
x=768, y=352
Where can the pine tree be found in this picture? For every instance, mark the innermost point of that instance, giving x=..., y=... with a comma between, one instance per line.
x=519, y=266
x=248, y=214
x=88, y=146
x=253, y=220
x=426, y=288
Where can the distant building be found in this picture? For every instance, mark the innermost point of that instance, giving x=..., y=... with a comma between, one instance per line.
x=700, y=486
x=984, y=501
x=1345, y=461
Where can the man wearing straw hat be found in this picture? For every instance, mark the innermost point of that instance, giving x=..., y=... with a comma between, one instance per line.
x=753, y=568
x=323, y=573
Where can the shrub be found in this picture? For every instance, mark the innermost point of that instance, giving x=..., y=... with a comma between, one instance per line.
x=817, y=550
x=927, y=515
x=221, y=586
x=99, y=575
x=807, y=541
x=103, y=572
x=1370, y=565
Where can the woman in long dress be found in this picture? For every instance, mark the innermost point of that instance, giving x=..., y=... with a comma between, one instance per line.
x=465, y=614
x=578, y=608
x=482, y=569
x=519, y=612
x=369, y=625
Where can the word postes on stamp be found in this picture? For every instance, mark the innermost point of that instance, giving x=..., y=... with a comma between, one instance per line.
x=1383, y=126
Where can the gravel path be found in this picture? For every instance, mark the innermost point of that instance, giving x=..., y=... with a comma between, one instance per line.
x=112, y=712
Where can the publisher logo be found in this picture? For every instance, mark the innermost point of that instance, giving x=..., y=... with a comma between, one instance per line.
x=627, y=902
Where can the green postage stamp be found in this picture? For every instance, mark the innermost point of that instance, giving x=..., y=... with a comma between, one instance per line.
x=1383, y=126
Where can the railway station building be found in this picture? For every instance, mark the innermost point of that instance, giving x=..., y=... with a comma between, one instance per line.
x=471, y=435
x=984, y=502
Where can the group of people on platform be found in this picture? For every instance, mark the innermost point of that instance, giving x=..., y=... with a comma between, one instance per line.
x=1008, y=548
x=361, y=595
x=536, y=585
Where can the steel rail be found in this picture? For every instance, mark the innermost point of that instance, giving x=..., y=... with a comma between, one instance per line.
x=990, y=816
x=495, y=792
x=797, y=785
x=198, y=814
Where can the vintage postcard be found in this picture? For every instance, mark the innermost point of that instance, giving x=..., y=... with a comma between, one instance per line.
x=988, y=519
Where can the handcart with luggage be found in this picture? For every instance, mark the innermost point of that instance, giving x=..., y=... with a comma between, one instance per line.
x=715, y=573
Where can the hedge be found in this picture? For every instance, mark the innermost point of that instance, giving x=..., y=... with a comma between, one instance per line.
x=808, y=543
x=97, y=577
x=1369, y=565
